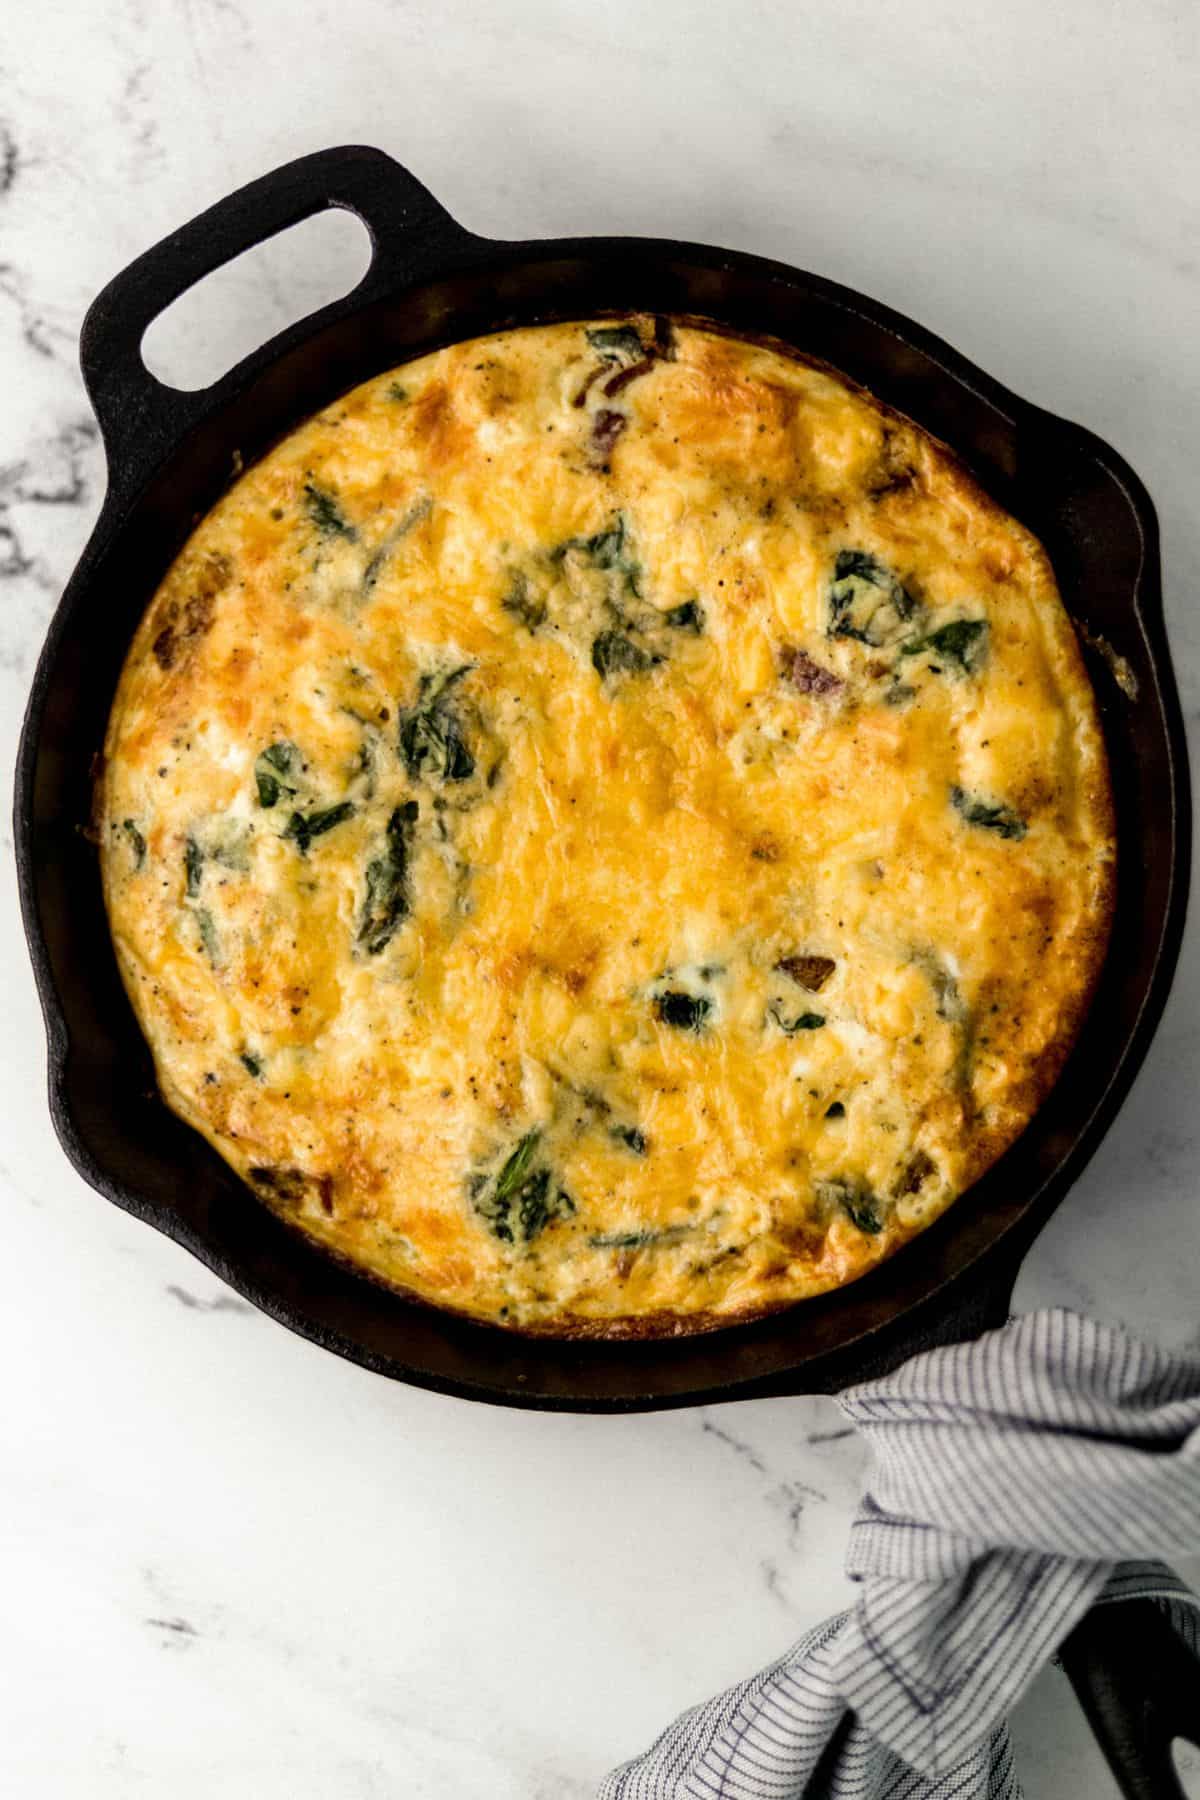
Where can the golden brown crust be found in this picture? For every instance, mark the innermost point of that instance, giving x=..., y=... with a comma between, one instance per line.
x=607, y=830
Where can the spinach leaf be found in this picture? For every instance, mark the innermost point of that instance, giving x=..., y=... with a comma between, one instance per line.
x=856, y=1200
x=193, y=863
x=685, y=1012
x=419, y=510
x=523, y=1198
x=514, y=1170
x=899, y=694
x=866, y=601
x=805, y=1021
x=209, y=941
x=616, y=653
x=276, y=761
x=365, y=764
x=251, y=1064
x=137, y=842
x=608, y=550
x=688, y=617
x=325, y=513
x=523, y=603
x=631, y=1137
x=988, y=815
x=302, y=828
x=538, y=1202
x=432, y=741
x=516, y=1167
x=616, y=341
x=590, y=587
x=639, y=1240
x=951, y=1005
x=962, y=642
x=387, y=901
x=947, y=994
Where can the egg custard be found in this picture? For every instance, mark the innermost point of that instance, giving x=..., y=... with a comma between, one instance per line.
x=606, y=828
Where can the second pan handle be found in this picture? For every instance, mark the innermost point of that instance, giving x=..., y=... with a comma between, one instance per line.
x=1139, y=1685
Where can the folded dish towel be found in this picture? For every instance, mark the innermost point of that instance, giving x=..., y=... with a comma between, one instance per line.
x=1017, y=1481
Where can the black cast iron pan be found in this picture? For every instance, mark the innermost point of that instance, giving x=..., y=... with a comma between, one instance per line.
x=170, y=456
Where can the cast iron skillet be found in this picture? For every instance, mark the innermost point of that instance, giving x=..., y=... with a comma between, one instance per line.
x=170, y=456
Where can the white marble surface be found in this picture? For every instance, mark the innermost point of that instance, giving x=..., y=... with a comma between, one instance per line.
x=229, y=1563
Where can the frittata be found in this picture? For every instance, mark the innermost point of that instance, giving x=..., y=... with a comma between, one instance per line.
x=607, y=829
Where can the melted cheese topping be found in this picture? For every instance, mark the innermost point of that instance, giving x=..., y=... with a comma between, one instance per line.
x=606, y=828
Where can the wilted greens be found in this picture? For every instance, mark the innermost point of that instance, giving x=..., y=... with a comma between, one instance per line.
x=962, y=644
x=523, y=1198
x=432, y=737
x=867, y=601
x=856, y=1200
x=988, y=815
x=303, y=828
x=326, y=514
x=387, y=898
x=274, y=769
x=685, y=1012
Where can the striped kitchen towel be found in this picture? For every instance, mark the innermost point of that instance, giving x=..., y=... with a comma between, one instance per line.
x=1017, y=1481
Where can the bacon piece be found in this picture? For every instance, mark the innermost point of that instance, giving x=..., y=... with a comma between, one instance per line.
x=810, y=972
x=607, y=427
x=623, y=377
x=582, y=395
x=807, y=676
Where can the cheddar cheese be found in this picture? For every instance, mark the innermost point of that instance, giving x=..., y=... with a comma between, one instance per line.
x=606, y=828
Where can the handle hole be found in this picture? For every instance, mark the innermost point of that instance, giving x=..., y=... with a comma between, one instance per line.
x=241, y=305
x=1186, y=1757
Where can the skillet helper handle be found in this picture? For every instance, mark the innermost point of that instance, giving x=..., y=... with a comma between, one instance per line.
x=142, y=420
x=1139, y=1685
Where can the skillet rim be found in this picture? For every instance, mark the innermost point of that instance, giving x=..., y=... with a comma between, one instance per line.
x=977, y=1288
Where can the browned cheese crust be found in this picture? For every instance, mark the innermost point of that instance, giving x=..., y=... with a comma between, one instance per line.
x=606, y=828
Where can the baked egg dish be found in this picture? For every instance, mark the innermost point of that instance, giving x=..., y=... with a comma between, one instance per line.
x=606, y=829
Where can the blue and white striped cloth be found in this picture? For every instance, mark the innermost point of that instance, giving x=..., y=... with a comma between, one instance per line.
x=1017, y=1481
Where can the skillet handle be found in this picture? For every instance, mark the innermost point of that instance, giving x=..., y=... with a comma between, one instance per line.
x=142, y=419
x=1139, y=1685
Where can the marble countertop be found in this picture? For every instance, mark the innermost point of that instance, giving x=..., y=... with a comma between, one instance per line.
x=231, y=1563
